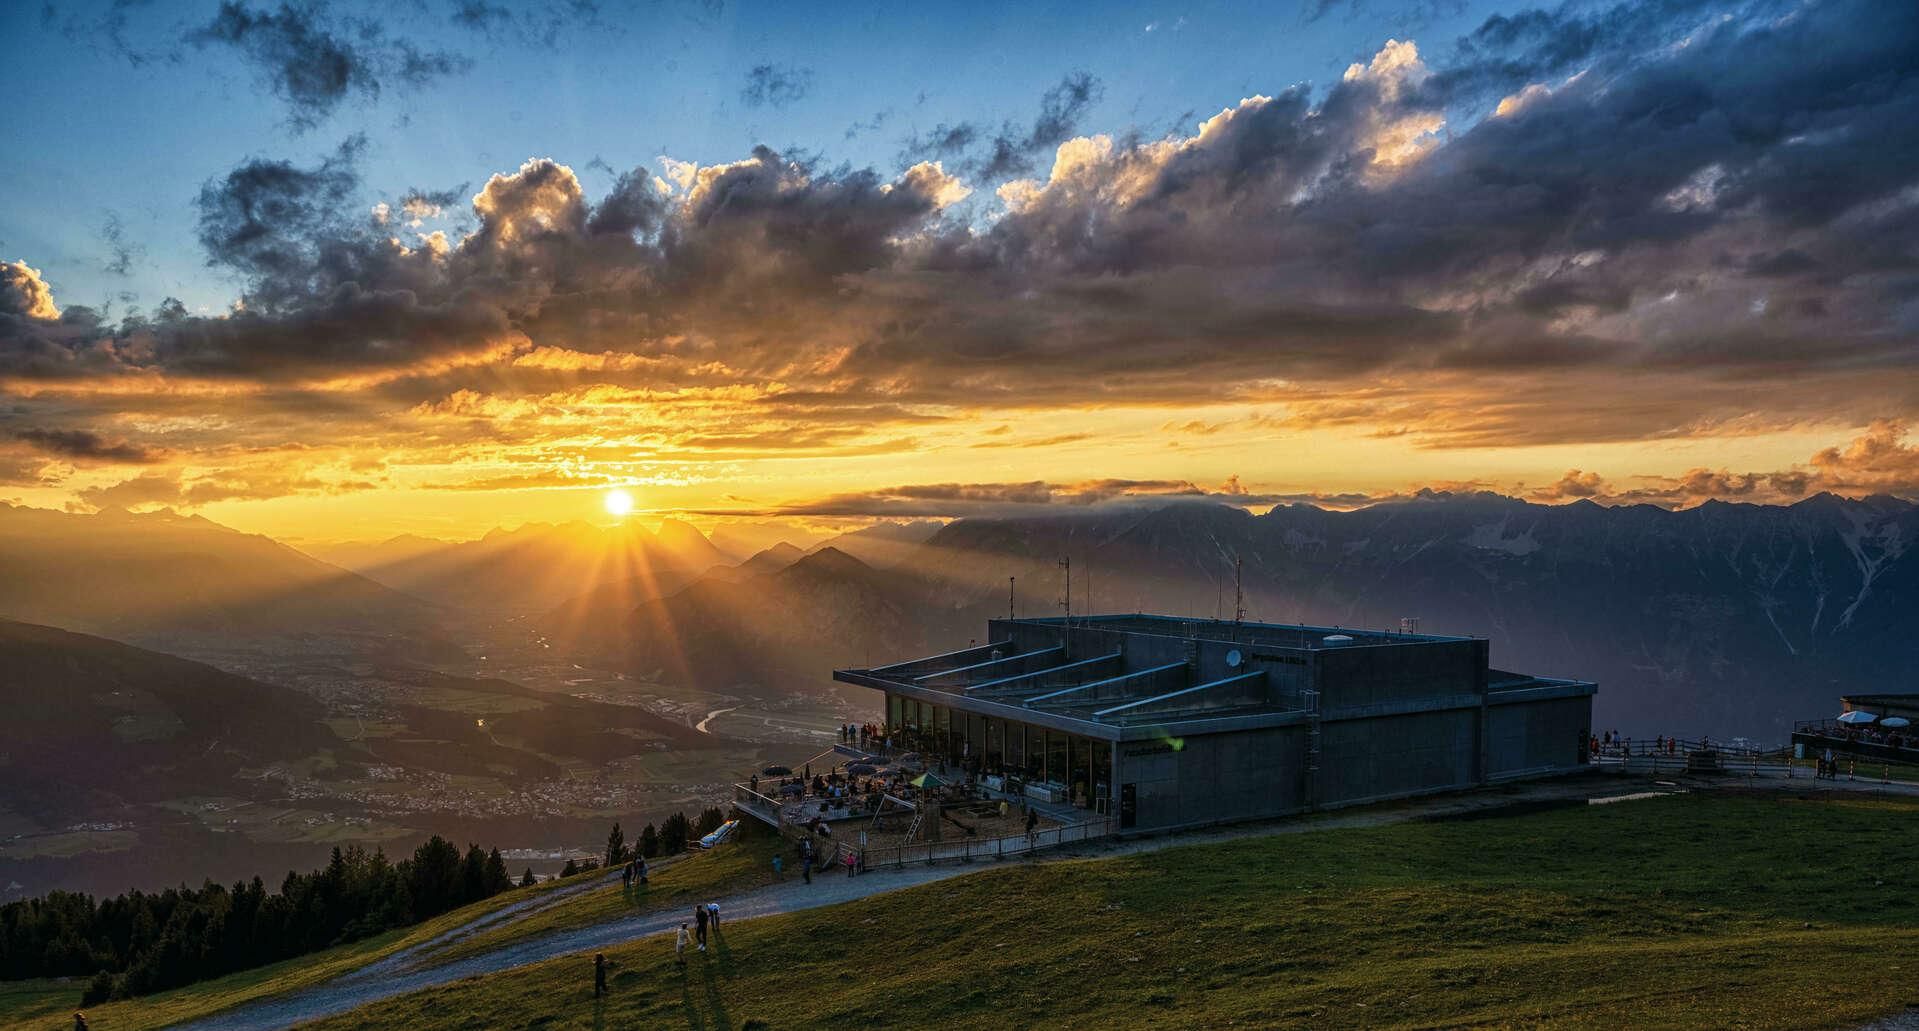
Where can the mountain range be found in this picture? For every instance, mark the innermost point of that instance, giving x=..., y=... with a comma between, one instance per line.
x=1722, y=619
x=185, y=583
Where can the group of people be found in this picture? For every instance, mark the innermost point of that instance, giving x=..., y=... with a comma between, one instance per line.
x=635, y=870
x=854, y=860
x=865, y=735
x=1828, y=766
x=705, y=916
x=1873, y=736
x=1612, y=742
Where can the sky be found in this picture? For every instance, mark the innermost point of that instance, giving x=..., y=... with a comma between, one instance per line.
x=339, y=271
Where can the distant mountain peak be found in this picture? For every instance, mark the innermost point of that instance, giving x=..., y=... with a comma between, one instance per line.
x=828, y=561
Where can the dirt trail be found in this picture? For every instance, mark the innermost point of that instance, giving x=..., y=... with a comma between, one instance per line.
x=402, y=973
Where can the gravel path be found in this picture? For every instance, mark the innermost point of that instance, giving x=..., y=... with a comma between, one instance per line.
x=401, y=973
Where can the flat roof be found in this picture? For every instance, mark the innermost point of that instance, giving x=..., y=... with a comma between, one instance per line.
x=1276, y=635
x=1101, y=695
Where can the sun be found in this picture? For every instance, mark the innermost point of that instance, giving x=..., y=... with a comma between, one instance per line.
x=618, y=502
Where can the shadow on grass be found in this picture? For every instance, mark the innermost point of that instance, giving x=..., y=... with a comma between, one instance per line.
x=716, y=1004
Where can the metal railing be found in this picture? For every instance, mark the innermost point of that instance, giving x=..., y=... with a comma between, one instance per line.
x=966, y=849
x=1678, y=756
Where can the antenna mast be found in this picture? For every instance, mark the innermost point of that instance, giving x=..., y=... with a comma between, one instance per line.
x=1066, y=596
x=1239, y=596
x=1009, y=597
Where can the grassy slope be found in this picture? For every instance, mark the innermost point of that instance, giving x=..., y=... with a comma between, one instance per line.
x=1689, y=911
x=746, y=862
x=22, y=1003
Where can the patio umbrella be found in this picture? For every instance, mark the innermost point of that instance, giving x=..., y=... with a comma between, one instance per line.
x=927, y=780
x=1895, y=722
x=1857, y=716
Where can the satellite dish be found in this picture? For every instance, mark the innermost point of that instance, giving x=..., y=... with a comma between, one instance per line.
x=1234, y=658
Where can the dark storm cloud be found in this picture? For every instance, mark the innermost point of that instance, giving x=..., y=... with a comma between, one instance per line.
x=1727, y=222
x=279, y=224
x=776, y=85
x=313, y=62
x=87, y=446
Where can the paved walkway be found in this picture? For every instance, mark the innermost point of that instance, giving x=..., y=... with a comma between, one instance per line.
x=401, y=973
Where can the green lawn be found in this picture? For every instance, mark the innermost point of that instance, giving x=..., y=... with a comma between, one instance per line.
x=40, y=1003
x=744, y=862
x=1701, y=910
x=26, y=1003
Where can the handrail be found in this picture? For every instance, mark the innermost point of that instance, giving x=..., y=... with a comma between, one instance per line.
x=966, y=849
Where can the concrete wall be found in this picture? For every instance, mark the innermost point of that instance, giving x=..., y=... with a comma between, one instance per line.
x=1397, y=755
x=1215, y=777
x=1361, y=676
x=1531, y=737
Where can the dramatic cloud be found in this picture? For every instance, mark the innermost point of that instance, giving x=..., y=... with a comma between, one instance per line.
x=1572, y=486
x=1879, y=462
x=776, y=85
x=87, y=446
x=1012, y=149
x=23, y=294
x=956, y=500
x=313, y=65
x=1576, y=226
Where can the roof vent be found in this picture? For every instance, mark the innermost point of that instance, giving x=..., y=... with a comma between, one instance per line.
x=1335, y=640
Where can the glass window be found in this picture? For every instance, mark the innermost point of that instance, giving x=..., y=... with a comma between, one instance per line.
x=1035, y=753
x=1079, y=760
x=1056, y=757
x=1102, y=770
x=995, y=745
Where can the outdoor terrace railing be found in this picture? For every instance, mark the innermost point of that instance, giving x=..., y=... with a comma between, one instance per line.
x=1741, y=760
x=967, y=849
x=1901, y=739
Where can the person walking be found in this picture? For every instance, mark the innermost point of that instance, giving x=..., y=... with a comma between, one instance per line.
x=641, y=870
x=679, y=947
x=79, y=1021
x=599, y=974
x=1032, y=821
x=699, y=916
x=713, y=916
x=778, y=874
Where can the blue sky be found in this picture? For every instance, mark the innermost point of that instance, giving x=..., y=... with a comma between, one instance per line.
x=933, y=260
x=95, y=136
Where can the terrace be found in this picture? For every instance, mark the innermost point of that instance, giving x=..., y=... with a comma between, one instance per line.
x=885, y=808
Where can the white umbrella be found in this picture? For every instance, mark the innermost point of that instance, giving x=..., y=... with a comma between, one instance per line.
x=1895, y=722
x=1857, y=716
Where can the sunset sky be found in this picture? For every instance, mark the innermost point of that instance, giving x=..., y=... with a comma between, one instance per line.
x=339, y=271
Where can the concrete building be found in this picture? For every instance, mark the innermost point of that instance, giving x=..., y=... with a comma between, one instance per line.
x=1166, y=722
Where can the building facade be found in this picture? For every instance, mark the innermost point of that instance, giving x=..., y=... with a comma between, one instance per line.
x=1166, y=722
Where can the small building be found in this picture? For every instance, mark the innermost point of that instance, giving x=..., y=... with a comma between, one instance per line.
x=1887, y=737
x=1167, y=722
